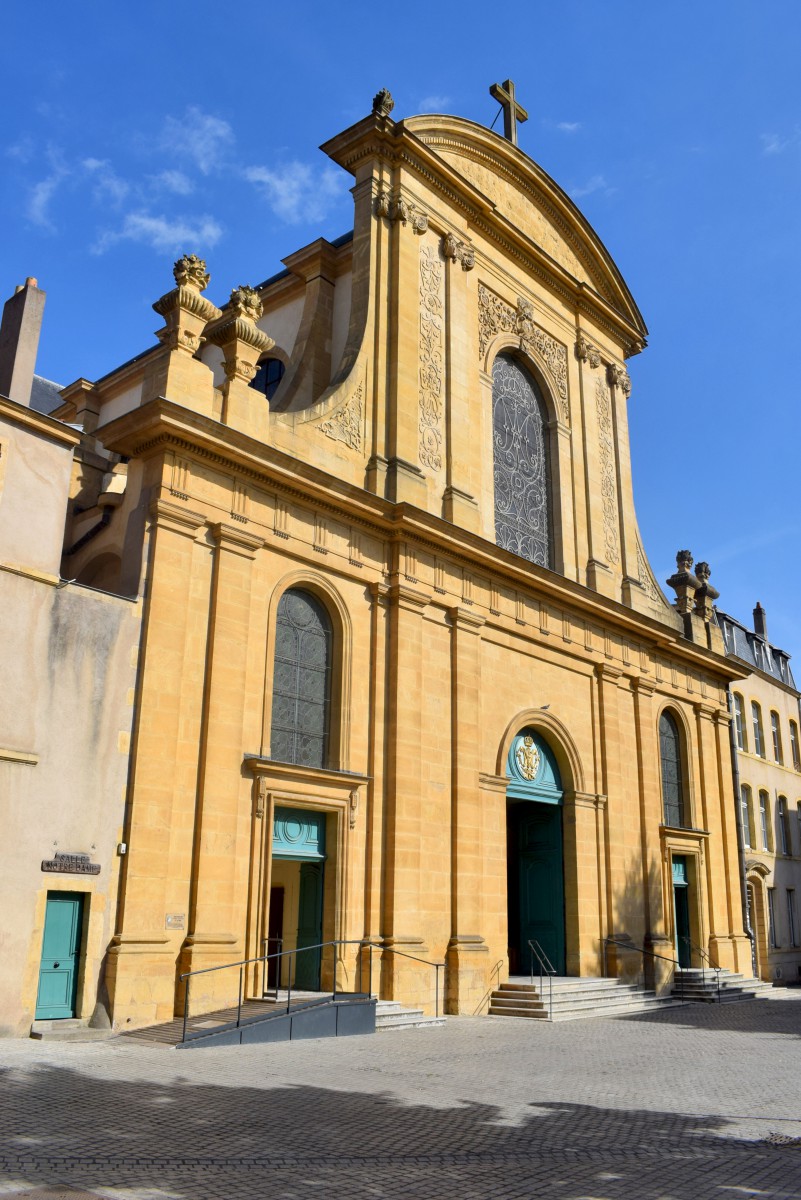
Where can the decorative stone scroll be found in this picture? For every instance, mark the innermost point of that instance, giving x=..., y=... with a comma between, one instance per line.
x=397, y=208
x=618, y=377
x=496, y=316
x=345, y=425
x=184, y=310
x=606, y=444
x=457, y=251
x=645, y=576
x=586, y=352
x=237, y=334
x=431, y=357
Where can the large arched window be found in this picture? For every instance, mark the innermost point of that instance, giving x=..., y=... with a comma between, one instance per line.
x=673, y=799
x=521, y=466
x=301, y=681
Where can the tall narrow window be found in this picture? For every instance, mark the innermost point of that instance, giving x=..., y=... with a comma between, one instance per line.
x=756, y=721
x=794, y=745
x=521, y=467
x=792, y=917
x=783, y=826
x=775, y=729
x=672, y=782
x=745, y=814
x=739, y=722
x=764, y=829
x=773, y=931
x=302, y=681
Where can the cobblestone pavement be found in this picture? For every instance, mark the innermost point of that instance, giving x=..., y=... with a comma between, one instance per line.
x=697, y=1102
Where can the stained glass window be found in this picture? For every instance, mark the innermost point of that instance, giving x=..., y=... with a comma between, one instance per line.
x=521, y=469
x=301, y=681
x=672, y=784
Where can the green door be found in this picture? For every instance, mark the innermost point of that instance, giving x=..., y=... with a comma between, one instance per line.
x=61, y=946
x=681, y=908
x=542, y=902
x=310, y=926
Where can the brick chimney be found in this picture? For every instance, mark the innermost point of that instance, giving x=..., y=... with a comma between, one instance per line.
x=760, y=621
x=19, y=341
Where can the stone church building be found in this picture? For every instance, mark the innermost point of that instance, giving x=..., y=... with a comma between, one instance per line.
x=405, y=674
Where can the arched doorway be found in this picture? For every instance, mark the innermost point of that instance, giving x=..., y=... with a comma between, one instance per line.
x=535, y=855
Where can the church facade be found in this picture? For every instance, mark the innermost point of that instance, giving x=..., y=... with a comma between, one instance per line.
x=406, y=676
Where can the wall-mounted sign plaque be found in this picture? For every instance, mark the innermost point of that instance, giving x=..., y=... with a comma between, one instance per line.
x=175, y=920
x=71, y=864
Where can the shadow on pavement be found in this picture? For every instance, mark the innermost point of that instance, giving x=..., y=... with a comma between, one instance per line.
x=182, y=1140
x=780, y=1016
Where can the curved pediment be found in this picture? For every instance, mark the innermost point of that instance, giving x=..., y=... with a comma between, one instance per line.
x=525, y=196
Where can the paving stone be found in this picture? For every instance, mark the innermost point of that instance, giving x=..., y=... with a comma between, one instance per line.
x=696, y=1102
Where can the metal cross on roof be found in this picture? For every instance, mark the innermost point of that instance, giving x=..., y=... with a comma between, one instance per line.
x=513, y=112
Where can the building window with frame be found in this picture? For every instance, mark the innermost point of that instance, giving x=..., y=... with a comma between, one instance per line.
x=764, y=822
x=301, y=681
x=783, y=825
x=792, y=917
x=521, y=463
x=745, y=814
x=794, y=745
x=775, y=729
x=756, y=721
x=739, y=721
x=269, y=374
x=773, y=932
x=673, y=799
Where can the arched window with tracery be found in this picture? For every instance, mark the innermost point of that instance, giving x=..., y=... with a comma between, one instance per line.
x=301, y=681
x=522, y=474
x=673, y=797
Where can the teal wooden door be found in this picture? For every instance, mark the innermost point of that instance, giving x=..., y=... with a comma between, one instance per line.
x=310, y=926
x=542, y=900
x=61, y=947
x=681, y=908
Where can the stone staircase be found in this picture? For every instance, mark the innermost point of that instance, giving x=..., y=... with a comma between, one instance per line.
x=68, y=1029
x=391, y=1014
x=700, y=987
x=575, y=998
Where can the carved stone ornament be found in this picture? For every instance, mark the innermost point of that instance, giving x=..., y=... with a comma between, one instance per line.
x=432, y=357
x=618, y=377
x=345, y=424
x=397, y=209
x=706, y=594
x=383, y=103
x=684, y=583
x=606, y=445
x=586, y=352
x=528, y=757
x=457, y=251
x=496, y=316
x=246, y=303
x=190, y=271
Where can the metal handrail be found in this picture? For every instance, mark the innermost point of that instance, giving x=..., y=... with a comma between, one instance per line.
x=415, y=958
x=265, y=943
x=705, y=957
x=262, y=958
x=187, y=976
x=625, y=944
x=547, y=967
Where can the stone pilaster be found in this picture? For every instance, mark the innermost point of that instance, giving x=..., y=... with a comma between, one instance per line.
x=658, y=971
x=223, y=816
x=463, y=468
x=582, y=821
x=467, y=957
x=607, y=677
x=141, y=974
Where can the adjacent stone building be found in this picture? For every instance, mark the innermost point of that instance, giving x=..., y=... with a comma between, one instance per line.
x=406, y=676
x=765, y=715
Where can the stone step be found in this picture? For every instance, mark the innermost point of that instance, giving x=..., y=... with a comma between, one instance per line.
x=391, y=1014
x=563, y=1004
x=68, y=1029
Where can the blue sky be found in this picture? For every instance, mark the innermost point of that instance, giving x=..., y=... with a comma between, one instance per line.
x=134, y=132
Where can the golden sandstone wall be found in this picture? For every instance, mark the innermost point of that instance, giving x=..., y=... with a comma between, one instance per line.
x=371, y=484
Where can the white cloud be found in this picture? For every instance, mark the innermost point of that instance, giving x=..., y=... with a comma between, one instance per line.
x=199, y=137
x=433, y=104
x=161, y=233
x=23, y=150
x=107, y=188
x=568, y=126
x=296, y=192
x=772, y=143
x=42, y=193
x=173, y=181
x=596, y=184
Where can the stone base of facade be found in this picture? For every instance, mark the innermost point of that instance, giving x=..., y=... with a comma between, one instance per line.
x=467, y=968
